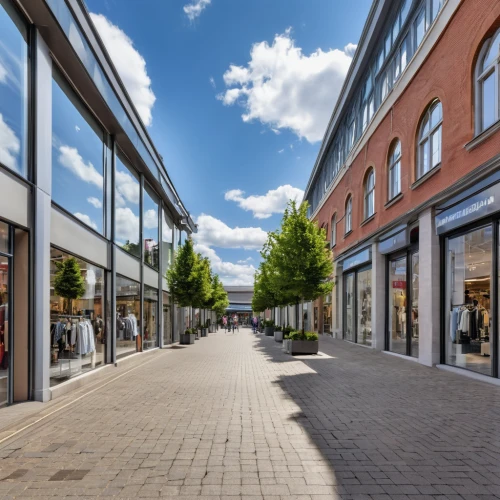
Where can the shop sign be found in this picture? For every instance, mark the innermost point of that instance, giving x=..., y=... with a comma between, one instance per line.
x=394, y=242
x=480, y=205
x=357, y=259
x=399, y=284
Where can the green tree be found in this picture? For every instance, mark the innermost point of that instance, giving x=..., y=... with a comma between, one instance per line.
x=265, y=295
x=219, y=301
x=182, y=276
x=68, y=281
x=202, y=283
x=300, y=263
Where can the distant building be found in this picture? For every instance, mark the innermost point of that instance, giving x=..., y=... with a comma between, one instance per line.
x=240, y=299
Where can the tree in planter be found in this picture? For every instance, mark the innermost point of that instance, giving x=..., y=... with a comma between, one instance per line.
x=265, y=296
x=202, y=284
x=68, y=281
x=219, y=301
x=300, y=261
x=182, y=277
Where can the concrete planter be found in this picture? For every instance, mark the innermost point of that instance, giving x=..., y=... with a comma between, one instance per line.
x=187, y=338
x=301, y=346
x=269, y=331
x=204, y=332
x=278, y=336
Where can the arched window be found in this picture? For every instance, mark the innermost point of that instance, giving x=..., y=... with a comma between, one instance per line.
x=348, y=215
x=370, y=194
x=333, y=229
x=488, y=83
x=394, y=166
x=429, y=139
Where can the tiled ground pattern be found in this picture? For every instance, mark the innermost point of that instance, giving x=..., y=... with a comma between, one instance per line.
x=233, y=417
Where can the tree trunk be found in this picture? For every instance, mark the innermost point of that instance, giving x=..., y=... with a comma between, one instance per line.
x=303, y=322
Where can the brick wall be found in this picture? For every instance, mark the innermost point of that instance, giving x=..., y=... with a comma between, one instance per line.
x=447, y=74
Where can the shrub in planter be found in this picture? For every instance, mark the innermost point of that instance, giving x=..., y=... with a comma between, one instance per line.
x=302, y=343
x=278, y=334
x=188, y=336
x=269, y=327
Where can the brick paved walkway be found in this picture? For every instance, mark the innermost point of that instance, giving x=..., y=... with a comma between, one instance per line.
x=232, y=417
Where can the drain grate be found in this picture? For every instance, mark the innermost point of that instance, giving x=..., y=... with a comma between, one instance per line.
x=69, y=475
x=16, y=474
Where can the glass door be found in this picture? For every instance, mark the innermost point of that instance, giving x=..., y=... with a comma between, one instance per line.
x=397, y=317
x=167, y=320
x=414, y=305
x=364, y=307
x=349, y=308
x=4, y=331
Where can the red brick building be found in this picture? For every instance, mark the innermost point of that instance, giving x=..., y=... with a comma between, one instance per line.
x=406, y=185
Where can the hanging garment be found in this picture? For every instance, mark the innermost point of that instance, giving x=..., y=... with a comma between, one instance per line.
x=464, y=322
x=473, y=330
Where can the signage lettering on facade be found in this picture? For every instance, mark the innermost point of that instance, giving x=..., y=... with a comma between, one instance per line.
x=469, y=210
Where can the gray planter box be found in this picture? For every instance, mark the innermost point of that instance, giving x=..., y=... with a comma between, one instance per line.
x=269, y=331
x=204, y=332
x=301, y=346
x=187, y=338
x=278, y=336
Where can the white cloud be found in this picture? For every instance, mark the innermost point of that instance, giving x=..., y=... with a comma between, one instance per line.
x=77, y=128
x=127, y=225
x=212, y=82
x=194, y=10
x=86, y=220
x=350, y=49
x=284, y=88
x=229, y=273
x=10, y=145
x=213, y=232
x=95, y=202
x=150, y=219
x=273, y=202
x=245, y=261
x=276, y=131
x=130, y=65
x=71, y=159
x=281, y=151
x=3, y=73
x=127, y=188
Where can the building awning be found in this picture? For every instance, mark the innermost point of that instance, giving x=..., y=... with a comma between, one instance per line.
x=240, y=307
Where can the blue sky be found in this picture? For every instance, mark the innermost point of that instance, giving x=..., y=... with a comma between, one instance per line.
x=301, y=52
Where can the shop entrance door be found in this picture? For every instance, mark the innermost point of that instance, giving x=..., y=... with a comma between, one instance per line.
x=349, y=307
x=5, y=378
x=402, y=314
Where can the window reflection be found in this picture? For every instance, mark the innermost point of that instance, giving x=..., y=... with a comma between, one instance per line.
x=13, y=90
x=77, y=157
x=167, y=238
x=150, y=317
x=150, y=229
x=128, y=313
x=127, y=211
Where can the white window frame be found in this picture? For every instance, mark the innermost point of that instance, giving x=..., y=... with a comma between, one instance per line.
x=370, y=194
x=348, y=215
x=394, y=167
x=425, y=141
x=481, y=76
x=333, y=231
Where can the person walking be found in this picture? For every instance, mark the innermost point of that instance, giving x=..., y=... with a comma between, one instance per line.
x=224, y=322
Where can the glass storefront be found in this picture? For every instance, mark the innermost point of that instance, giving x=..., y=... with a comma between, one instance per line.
x=150, y=228
x=167, y=319
x=4, y=326
x=14, y=77
x=128, y=313
x=358, y=306
x=327, y=314
x=150, y=317
x=77, y=327
x=403, y=304
x=469, y=278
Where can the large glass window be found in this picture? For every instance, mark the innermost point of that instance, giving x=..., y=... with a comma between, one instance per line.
x=468, y=291
x=348, y=215
x=150, y=317
x=13, y=90
x=77, y=327
x=4, y=330
x=150, y=230
x=349, y=298
x=397, y=306
x=128, y=313
x=333, y=237
x=167, y=239
x=488, y=83
x=77, y=157
x=167, y=319
x=414, y=304
x=364, y=307
x=370, y=194
x=395, y=170
x=429, y=146
x=127, y=211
